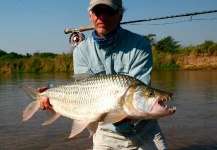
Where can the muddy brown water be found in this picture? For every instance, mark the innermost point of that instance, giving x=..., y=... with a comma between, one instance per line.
x=192, y=127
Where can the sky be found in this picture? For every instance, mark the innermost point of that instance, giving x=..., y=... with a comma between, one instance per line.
x=29, y=26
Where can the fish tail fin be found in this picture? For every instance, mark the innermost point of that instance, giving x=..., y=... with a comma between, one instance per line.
x=30, y=110
x=30, y=91
x=33, y=106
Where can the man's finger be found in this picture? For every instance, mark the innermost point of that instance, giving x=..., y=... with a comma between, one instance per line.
x=42, y=89
x=45, y=104
x=42, y=106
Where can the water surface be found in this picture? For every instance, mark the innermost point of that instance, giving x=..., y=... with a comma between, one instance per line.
x=193, y=126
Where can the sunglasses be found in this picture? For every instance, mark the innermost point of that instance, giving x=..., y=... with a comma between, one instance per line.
x=97, y=10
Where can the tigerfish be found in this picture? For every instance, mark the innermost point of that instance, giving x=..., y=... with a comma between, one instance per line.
x=106, y=99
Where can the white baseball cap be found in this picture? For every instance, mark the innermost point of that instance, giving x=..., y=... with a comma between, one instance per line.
x=114, y=4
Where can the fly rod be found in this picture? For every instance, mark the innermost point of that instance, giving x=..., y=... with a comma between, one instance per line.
x=76, y=36
x=86, y=28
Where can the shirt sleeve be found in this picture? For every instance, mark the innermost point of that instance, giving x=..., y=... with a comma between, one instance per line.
x=142, y=65
x=79, y=64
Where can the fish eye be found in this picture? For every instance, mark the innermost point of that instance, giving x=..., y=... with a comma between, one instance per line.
x=150, y=93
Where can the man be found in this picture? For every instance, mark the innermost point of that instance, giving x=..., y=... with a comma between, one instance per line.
x=114, y=50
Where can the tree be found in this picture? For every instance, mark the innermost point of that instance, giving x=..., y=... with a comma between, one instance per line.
x=150, y=38
x=168, y=45
x=2, y=53
x=13, y=55
x=28, y=55
x=208, y=47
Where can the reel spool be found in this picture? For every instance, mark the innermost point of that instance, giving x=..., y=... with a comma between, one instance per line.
x=76, y=38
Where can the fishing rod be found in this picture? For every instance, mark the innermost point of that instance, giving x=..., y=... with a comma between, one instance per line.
x=77, y=36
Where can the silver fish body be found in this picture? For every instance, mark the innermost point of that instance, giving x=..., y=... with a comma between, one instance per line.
x=107, y=99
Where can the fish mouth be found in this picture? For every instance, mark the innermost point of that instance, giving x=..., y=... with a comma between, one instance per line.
x=160, y=107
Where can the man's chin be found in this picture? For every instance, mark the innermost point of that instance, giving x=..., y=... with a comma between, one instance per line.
x=103, y=32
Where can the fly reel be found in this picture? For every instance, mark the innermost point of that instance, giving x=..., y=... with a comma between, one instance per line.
x=76, y=38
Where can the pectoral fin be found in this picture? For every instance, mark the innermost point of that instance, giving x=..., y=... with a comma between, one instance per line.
x=92, y=127
x=30, y=110
x=51, y=117
x=77, y=127
x=113, y=118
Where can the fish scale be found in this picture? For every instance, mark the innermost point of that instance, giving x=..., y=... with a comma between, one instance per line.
x=79, y=104
x=107, y=99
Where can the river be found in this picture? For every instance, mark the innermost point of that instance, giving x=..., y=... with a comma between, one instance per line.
x=192, y=127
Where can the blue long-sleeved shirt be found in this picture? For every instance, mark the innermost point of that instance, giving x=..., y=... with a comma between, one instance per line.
x=131, y=55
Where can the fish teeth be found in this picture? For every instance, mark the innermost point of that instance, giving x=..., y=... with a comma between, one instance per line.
x=166, y=106
x=172, y=109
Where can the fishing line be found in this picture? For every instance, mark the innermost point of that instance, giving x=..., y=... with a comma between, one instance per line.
x=147, y=144
x=172, y=143
x=173, y=16
x=182, y=21
x=140, y=138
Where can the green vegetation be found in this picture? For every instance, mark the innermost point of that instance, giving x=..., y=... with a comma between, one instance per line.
x=207, y=48
x=167, y=45
x=167, y=52
x=36, y=63
x=164, y=51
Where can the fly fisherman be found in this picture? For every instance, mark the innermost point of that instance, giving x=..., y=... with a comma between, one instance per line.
x=113, y=50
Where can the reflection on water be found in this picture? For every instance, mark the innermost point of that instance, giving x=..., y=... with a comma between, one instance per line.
x=193, y=126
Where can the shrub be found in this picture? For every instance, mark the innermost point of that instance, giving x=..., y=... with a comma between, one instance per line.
x=167, y=45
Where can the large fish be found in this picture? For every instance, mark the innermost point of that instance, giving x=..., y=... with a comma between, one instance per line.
x=106, y=99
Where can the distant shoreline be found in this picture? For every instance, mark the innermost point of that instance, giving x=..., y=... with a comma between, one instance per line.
x=63, y=63
x=167, y=55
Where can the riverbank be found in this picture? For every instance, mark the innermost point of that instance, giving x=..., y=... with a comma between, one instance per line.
x=193, y=62
x=37, y=64
x=167, y=55
x=185, y=61
x=63, y=63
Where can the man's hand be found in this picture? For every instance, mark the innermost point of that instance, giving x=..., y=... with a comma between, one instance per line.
x=44, y=101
